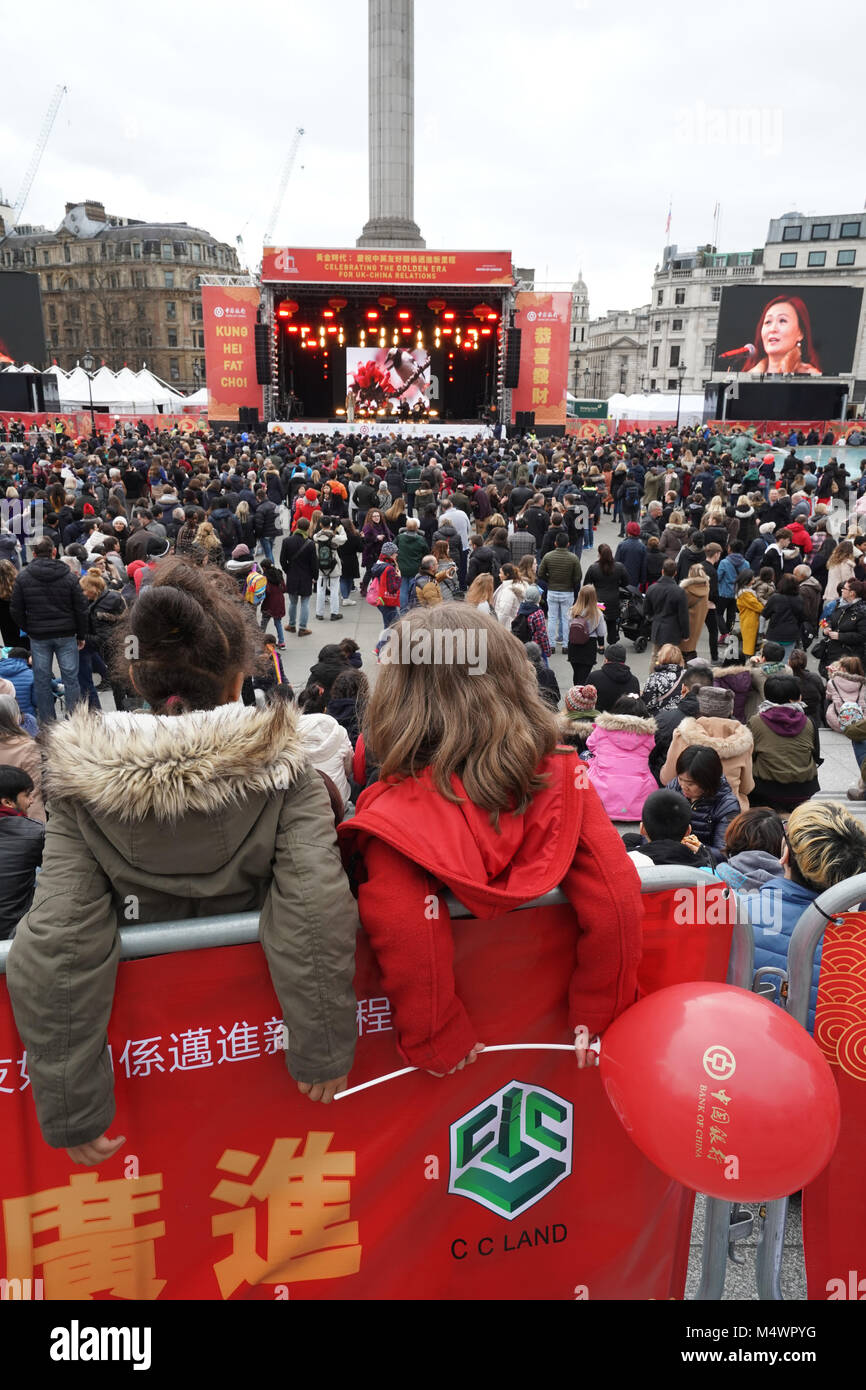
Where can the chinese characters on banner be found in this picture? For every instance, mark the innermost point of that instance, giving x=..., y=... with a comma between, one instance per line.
x=232, y=1185
x=230, y=349
x=545, y=321
x=311, y=265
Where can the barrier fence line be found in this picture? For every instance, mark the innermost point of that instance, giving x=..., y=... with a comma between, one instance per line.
x=201, y=933
x=843, y=897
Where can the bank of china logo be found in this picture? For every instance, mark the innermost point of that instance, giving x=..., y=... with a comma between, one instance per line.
x=218, y=311
x=719, y=1062
x=511, y=1149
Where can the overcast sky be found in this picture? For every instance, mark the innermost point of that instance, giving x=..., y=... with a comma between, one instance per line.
x=558, y=130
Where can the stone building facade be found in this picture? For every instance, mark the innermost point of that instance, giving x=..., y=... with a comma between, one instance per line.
x=615, y=355
x=127, y=291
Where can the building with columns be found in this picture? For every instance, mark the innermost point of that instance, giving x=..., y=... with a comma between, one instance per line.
x=615, y=355
x=128, y=291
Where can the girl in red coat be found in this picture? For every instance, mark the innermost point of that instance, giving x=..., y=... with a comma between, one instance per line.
x=475, y=796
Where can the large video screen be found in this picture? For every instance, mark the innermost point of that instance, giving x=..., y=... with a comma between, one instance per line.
x=779, y=330
x=22, y=336
x=388, y=377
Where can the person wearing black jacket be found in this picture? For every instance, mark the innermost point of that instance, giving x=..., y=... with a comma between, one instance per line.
x=47, y=603
x=21, y=845
x=688, y=708
x=783, y=612
x=667, y=609
x=613, y=679
x=301, y=568
x=266, y=523
x=846, y=625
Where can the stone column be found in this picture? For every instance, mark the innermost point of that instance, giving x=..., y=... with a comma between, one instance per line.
x=391, y=125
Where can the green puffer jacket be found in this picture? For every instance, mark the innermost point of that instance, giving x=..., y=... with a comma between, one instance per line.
x=211, y=812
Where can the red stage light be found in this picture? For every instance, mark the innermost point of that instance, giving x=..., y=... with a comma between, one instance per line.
x=332, y=328
x=449, y=315
x=492, y=318
x=486, y=332
x=450, y=355
x=292, y=328
x=306, y=329
x=282, y=313
x=467, y=344
x=447, y=330
x=372, y=313
x=328, y=314
x=406, y=330
x=404, y=314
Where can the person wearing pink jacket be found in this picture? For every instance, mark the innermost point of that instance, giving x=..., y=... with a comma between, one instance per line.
x=620, y=744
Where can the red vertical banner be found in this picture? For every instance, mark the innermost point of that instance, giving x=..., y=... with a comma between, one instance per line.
x=230, y=349
x=545, y=322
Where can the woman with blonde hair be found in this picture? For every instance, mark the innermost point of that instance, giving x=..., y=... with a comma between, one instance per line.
x=527, y=567
x=480, y=593
x=675, y=534
x=663, y=689
x=587, y=633
x=8, y=628
x=207, y=548
x=841, y=567
x=697, y=587
x=492, y=801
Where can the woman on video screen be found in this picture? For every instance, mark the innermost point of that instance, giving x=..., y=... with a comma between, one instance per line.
x=783, y=341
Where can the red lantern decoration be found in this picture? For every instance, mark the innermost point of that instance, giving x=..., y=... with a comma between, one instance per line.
x=387, y=301
x=437, y=305
x=481, y=311
x=338, y=303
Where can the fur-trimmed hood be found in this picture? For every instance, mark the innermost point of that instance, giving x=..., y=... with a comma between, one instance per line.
x=131, y=767
x=698, y=585
x=625, y=723
x=728, y=737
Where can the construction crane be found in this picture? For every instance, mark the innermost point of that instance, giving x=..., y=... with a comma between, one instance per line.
x=39, y=150
x=281, y=190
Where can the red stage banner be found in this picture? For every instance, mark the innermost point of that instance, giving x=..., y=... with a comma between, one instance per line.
x=545, y=321
x=511, y=1179
x=319, y=265
x=230, y=349
x=834, y=1205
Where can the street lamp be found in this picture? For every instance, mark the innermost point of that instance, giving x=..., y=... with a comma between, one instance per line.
x=681, y=371
x=586, y=376
x=88, y=362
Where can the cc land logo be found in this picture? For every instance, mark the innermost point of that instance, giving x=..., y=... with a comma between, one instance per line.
x=511, y=1149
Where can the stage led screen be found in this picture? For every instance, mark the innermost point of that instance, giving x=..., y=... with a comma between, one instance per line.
x=22, y=335
x=792, y=329
x=388, y=378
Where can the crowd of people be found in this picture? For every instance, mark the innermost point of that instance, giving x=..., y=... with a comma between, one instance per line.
x=158, y=563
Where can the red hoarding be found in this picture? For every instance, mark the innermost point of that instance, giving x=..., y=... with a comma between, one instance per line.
x=545, y=321
x=329, y=265
x=230, y=349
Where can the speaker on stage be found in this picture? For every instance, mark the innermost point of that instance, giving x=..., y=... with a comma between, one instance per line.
x=248, y=417
x=512, y=358
x=524, y=420
x=263, y=354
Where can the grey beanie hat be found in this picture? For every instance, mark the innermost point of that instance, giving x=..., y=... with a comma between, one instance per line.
x=716, y=701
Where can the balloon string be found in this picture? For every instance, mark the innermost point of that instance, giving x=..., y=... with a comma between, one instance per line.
x=499, y=1047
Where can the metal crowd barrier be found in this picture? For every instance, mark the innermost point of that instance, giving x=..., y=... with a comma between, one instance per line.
x=240, y=929
x=843, y=897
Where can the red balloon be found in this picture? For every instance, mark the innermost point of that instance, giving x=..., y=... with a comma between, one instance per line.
x=722, y=1090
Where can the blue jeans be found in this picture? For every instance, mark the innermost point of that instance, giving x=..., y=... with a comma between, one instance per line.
x=278, y=624
x=267, y=548
x=859, y=745
x=389, y=616
x=404, y=591
x=43, y=650
x=346, y=587
x=558, y=605
x=304, y=615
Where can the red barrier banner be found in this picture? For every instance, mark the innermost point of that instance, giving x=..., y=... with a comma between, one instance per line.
x=229, y=314
x=834, y=1205
x=77, y=423
x=589, y=429
x=545, y=323
x=510, y=1179
x=349, y=265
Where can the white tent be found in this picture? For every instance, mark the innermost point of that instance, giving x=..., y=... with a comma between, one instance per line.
x=197, y=400
x=658, y=406
x=119, y=393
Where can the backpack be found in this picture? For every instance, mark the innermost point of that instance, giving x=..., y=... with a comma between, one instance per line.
x=326, y=555
x=631, y=495
x=849, y=713
x=255, y=588
x=578, y=632
x=520, y=627
x=374, y=591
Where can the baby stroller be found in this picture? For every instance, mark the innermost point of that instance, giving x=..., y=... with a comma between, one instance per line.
x=633, y=622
